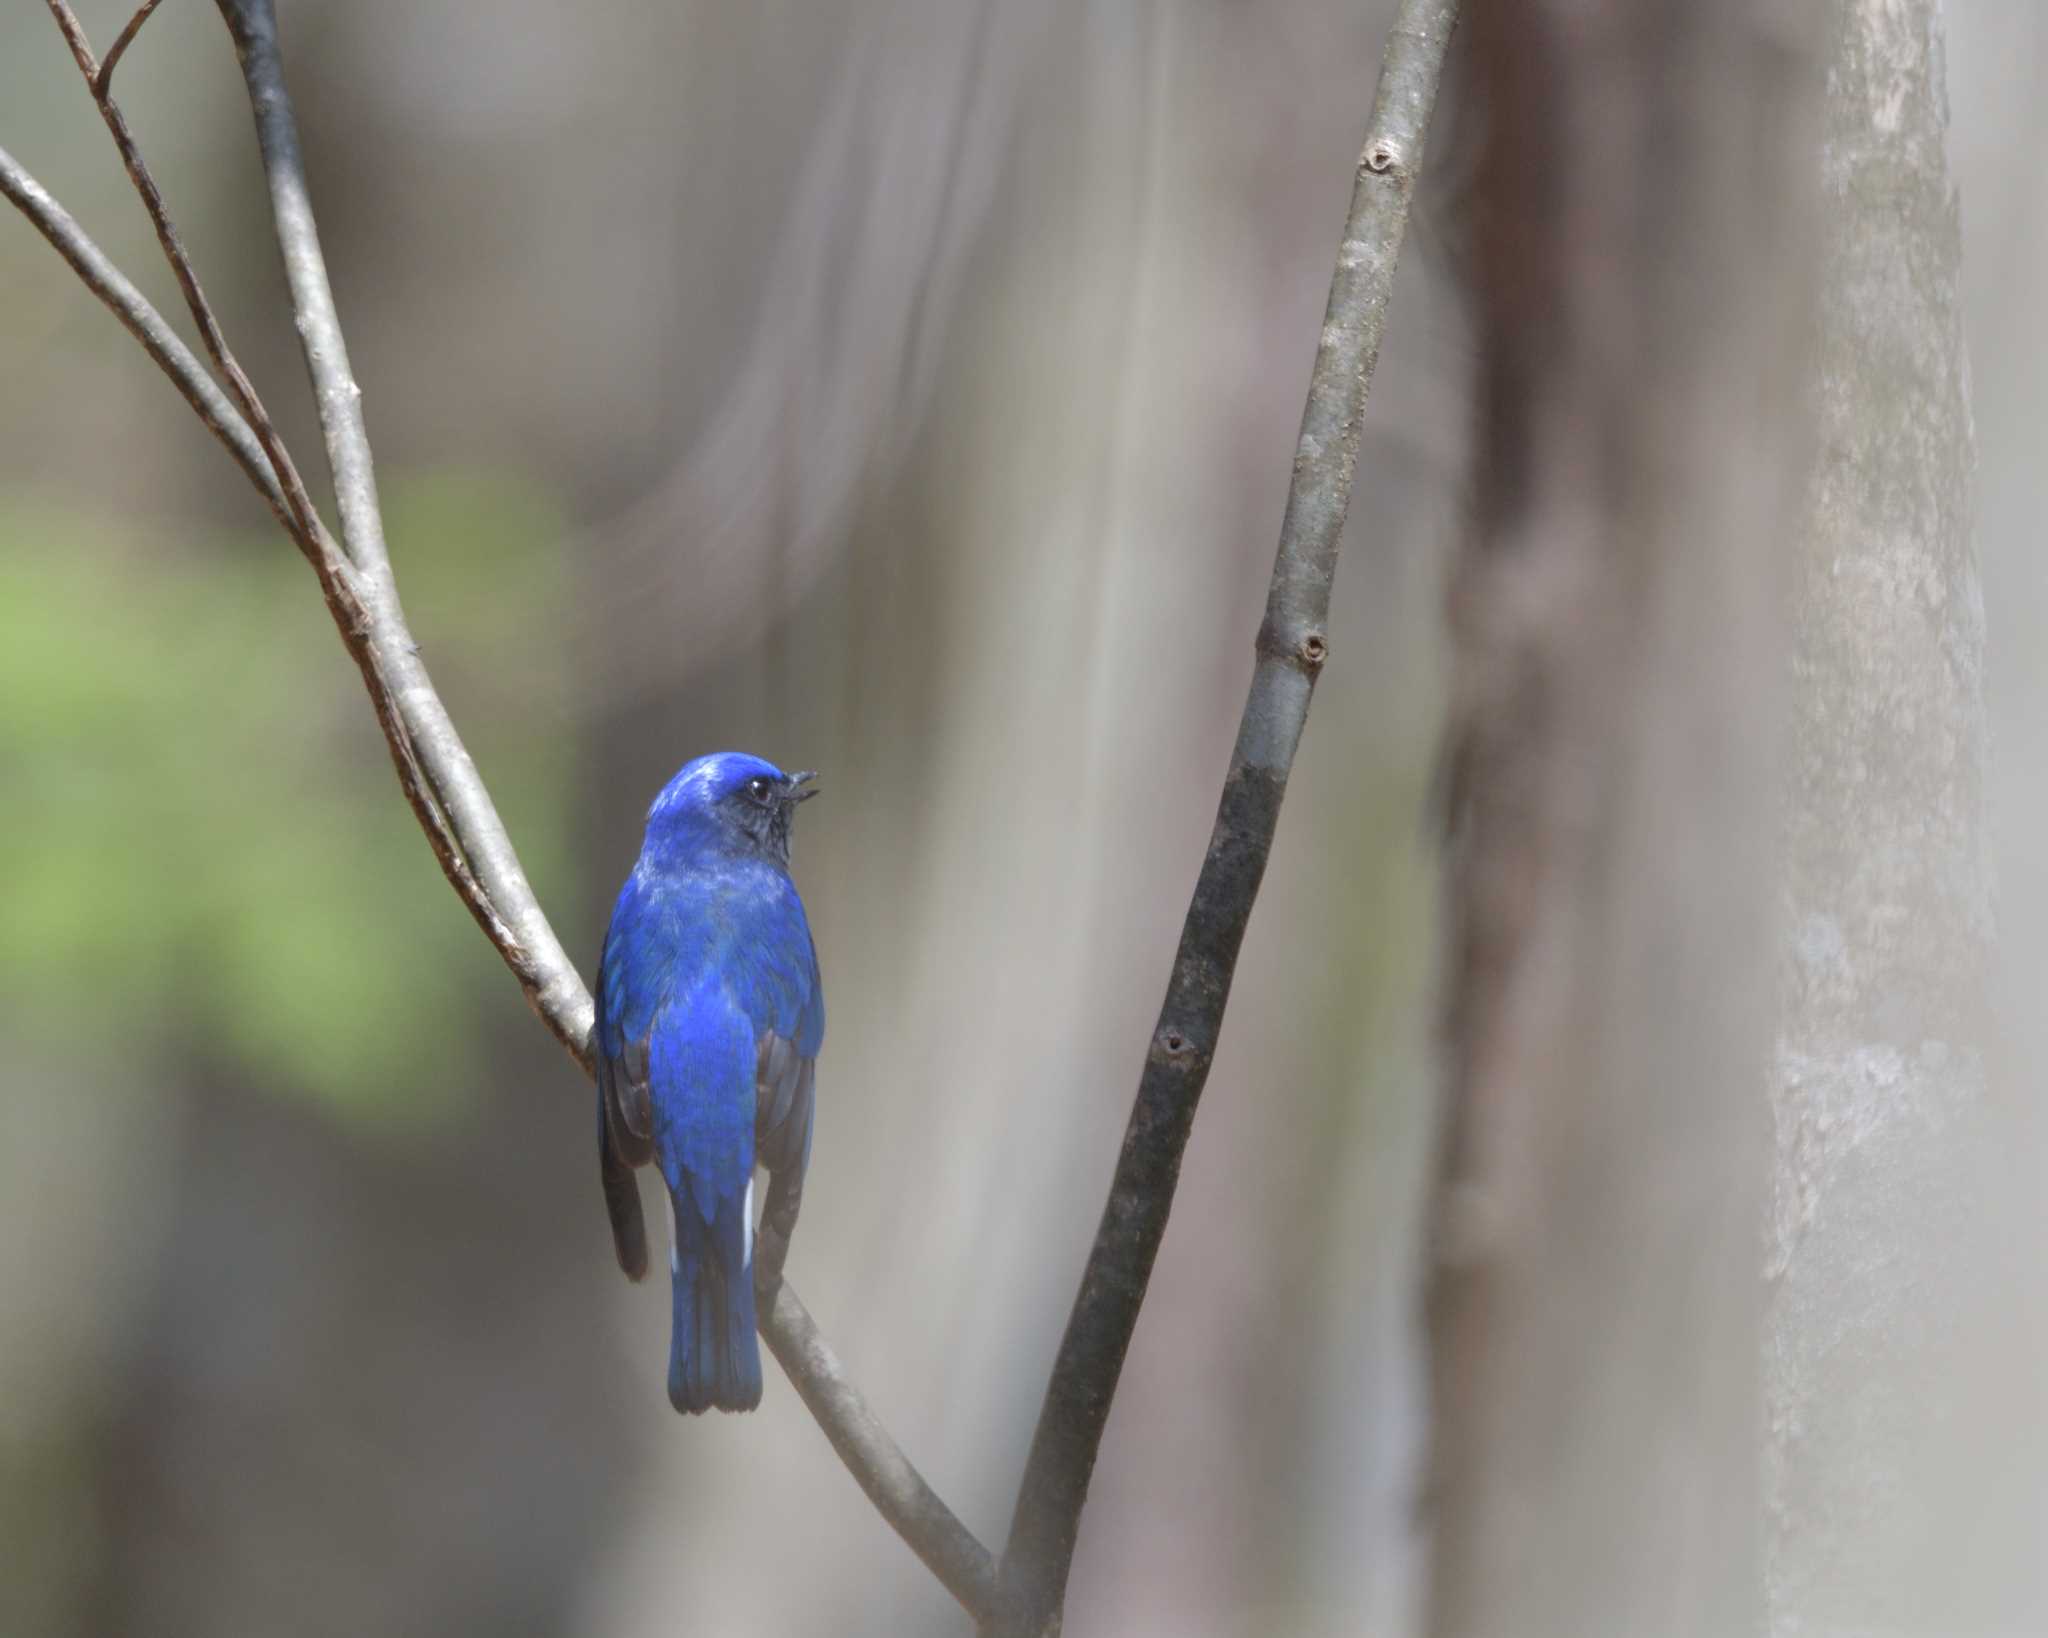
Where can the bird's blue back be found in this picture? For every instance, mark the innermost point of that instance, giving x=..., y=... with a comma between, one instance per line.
x=708, y=978
x=704, y=957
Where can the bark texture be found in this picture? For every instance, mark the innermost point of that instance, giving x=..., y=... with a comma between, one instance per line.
x=1644, y=274
x=1875, y=1259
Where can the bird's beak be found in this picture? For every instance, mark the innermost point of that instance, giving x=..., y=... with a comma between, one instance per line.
x=798, y=787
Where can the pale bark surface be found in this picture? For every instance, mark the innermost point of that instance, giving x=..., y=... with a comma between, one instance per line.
x=1875, y=1259
x=1643, y=275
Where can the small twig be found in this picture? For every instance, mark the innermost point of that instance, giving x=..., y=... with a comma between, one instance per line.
x=81, y=49
x=1292, y=646
x=103, y=82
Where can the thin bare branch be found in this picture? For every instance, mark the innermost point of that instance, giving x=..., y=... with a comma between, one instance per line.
x=532, y=951
x=81, y=49
x=914, y=1510
x=1292, y=646
x=102, y=83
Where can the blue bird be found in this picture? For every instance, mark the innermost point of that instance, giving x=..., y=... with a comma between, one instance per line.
x=709, y=1019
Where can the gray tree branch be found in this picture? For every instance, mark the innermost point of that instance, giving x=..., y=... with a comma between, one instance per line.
x=434, y=768
x=103, y=80
x=532, y=951
x=914, y=1510
x=1292, y=645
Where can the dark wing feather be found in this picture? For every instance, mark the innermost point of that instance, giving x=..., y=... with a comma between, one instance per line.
x=632, y=1103
x=782, y=1094
x=775, y=1074
x=621, y=1202
x=785, y=1097
x=619, y=1148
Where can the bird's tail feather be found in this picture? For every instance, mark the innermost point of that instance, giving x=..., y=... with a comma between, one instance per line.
x=714, y=1360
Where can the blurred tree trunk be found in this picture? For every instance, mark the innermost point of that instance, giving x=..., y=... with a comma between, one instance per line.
x=1878, y=1253
x=1644, y=278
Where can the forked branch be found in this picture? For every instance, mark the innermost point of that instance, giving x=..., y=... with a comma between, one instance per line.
x=434, y=768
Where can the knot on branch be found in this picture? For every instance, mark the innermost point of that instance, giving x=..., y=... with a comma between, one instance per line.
x=1305, y=651
x=1172, y=1045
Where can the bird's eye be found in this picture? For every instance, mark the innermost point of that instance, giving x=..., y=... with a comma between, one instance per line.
x=758, y=789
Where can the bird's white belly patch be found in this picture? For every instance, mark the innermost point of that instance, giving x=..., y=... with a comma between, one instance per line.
x=747, y=1256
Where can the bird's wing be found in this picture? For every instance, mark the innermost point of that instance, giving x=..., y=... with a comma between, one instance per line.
x=787, y=1005
x=624, y=1129
x=625, y=1018
x=783, y=1101
x=621, y=1201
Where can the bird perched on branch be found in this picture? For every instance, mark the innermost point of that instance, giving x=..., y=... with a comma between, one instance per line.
x=709, y=1018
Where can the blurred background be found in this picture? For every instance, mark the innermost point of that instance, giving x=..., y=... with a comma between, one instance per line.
x=904, y=389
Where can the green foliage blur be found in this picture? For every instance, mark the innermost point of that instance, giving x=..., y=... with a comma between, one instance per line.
x=216, y=854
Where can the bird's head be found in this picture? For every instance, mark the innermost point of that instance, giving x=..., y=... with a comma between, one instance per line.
x=730, y=802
